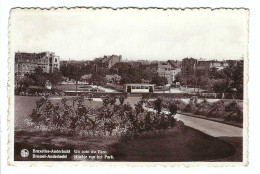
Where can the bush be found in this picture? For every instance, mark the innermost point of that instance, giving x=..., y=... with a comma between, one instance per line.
x=233, y=112
x=71, y=116
x=190, y=107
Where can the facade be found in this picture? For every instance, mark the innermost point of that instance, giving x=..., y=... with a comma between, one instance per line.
x=176, y=68
x=168, y=70
x=188, y=67
x=120, y=68
x=149, y=67
x=107, y=62
x=138, y=88
x=219, y=65
x=203, y=68
x=25, y=63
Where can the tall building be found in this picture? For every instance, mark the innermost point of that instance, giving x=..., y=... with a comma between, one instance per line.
x=25, y=63
x=176, y=68
x=188, y=68
x=106, y=62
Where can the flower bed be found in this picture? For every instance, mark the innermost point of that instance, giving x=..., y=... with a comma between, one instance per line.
x=228, y=110
x=72, y=116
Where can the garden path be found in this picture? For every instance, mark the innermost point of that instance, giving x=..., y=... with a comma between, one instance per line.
x=209, y=127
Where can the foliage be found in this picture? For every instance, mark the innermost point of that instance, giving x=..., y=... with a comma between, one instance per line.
x=159, y=81
x=25, y=82
x=135, y=75
x=172, y=108
x=121, y=99
x=76, y=70
x=158, y=105
x=98, y=79
x=229, y=80
x=130, y=79
x=190, y=107
x=39, y=78
x=71, y=116
x=55, y=78
x=227, y=110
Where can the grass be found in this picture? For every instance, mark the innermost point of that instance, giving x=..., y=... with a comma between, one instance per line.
x=187, y=145
x=24, y=106
x=68, y=87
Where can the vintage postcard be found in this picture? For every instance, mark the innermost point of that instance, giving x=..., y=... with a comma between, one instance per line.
x=129, y=86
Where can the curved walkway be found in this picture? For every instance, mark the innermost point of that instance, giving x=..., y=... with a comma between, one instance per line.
x=209, y=127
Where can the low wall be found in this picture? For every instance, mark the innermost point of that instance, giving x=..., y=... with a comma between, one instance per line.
x=168, y=95
x=144, y=95
x=95, y=94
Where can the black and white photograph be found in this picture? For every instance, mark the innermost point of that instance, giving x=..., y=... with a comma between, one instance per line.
x=128, y=85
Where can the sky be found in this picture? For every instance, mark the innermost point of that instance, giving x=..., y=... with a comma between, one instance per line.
x=154, y=34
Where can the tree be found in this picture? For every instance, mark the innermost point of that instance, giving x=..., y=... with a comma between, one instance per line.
x=38, y=70
x=172, y=108
x=219, y=85
x=130, y=79
x=41, y=81
x=98, y=79
x=214, y=73
x=238, y=78
x=159, y=81
x=74, y=71
x=229, y=80
x=121, y=99
x=55, y=78
x=158, y=105
x=178, y=77
x=204, y=82
x=25, y=82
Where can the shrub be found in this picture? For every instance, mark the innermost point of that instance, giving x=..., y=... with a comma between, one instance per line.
x=73, y=117
x=158, y=105
x=190, y=107
x=234, y=112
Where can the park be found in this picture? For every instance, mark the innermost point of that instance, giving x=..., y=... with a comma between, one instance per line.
x=137, y=137
x=131, y=113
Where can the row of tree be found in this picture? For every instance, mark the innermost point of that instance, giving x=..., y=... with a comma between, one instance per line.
x=227, y=80
x=40, y=78
x=129, y=74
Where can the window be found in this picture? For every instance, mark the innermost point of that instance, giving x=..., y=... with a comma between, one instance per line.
x=55, y=59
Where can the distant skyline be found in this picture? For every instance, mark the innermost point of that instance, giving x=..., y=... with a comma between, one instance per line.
x=134, y=34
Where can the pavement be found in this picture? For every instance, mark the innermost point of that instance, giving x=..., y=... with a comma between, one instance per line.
x=209, y=127
x=104, y=89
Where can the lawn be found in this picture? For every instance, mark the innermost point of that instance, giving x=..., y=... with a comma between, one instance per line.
x=24, y=106
x=69, y=87
x=187, y=145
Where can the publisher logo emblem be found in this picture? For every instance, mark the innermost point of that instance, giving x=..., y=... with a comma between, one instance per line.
x=24, y=153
